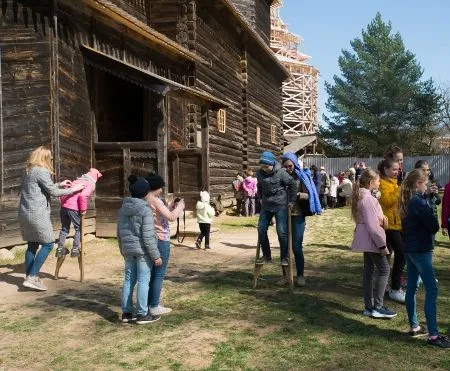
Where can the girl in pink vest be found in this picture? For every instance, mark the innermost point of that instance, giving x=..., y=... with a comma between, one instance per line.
x=249, y=187
x=370, y=238
x=72, y=208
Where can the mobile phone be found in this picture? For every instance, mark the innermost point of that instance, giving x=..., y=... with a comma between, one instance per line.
x=177, y=199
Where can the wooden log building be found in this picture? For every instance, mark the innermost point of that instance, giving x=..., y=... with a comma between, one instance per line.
x=189, y=88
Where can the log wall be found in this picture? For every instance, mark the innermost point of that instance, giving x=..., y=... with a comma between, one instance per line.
x=26, y=110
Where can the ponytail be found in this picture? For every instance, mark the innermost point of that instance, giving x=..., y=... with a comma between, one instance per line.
x=408, y=189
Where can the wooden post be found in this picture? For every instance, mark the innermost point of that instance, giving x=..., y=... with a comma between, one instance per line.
x=205, y=148
x=126, y=169
x=163, y=169
x=176, y=174
x=82, y=251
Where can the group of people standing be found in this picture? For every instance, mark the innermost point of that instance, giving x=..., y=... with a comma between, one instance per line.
x=245, y=193
x=395, y=213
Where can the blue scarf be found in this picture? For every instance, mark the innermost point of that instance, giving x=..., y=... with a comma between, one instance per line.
x=314, y=203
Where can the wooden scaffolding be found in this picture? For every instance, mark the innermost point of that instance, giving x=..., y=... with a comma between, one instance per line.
x=300, y=91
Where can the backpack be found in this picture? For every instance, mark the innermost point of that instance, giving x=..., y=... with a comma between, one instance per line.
x=237, y=184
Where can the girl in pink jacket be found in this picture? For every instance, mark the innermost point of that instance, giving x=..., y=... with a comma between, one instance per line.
x=370, y=239
x=73, y=207
x=249, y=187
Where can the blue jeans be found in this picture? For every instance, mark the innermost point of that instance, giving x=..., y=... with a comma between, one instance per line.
x=137, y=269
x=281, y=222
x=33, y=261
x=298, y=230
x=158, y=274
x=421, y=264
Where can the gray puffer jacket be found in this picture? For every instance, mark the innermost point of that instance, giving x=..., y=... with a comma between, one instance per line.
x=276, y=189
x=136, y=230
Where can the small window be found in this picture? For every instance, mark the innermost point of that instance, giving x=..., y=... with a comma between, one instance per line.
x=258, y=135
x=221, y=120
x=273, y=133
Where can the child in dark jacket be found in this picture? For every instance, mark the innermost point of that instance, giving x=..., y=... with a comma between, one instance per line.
x=419, y=227
x=138, y=245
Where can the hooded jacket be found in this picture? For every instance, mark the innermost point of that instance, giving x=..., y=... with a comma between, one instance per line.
x=272, y=188
x=135, y=229
x=249, y=186
x=205, y=211
x=79, y=201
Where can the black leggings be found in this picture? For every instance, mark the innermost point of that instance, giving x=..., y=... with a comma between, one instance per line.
x=205, y=229
x=394, y=244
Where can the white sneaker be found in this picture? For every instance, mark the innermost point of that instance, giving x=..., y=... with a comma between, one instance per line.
x=159, y=310
x=301, y=281
x=397, y=295
x=33, y=282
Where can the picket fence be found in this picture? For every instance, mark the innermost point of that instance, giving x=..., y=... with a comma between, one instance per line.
x=440, y=165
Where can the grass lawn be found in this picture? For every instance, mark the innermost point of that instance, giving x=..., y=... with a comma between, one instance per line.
x=219, y=322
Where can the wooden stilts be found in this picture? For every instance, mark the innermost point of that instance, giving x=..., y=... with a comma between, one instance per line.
x=59, y=263
x=258, y=266
x=61, y=259
x=290, y=275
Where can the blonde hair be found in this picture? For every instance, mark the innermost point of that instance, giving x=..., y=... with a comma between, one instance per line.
x=364, y=182
x=249, y=172
x=409, y=188
x=42, y=157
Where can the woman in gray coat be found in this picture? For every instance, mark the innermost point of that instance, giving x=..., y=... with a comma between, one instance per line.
x=34, y=212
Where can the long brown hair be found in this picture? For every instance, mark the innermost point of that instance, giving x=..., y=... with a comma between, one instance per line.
x=42, y=157
x=364, y=182
x=386, y=163
x=409, y=188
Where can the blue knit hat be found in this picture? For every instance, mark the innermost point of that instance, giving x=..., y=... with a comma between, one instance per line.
x=139, y=187
x=267, y=158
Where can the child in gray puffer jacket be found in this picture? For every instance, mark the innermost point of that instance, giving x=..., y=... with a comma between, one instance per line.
x=138, y=245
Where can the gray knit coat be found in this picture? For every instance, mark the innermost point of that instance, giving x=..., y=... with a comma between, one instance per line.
x=136, y=233
x=34, y=206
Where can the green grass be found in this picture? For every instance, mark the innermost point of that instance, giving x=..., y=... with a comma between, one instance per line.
x=220, y=323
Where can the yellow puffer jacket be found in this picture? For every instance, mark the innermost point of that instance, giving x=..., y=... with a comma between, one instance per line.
x=390, y=194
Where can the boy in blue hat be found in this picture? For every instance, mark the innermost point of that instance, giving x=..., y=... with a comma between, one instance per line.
x=276, y=189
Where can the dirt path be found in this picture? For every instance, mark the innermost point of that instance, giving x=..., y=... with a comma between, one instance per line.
x=103, y=264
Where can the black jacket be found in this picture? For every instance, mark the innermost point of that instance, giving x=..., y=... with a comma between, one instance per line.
x=419, y=226
x=276, y=189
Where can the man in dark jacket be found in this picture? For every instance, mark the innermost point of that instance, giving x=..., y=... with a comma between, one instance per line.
x=276, y=189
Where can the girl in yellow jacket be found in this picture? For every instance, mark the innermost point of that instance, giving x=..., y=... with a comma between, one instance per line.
x=390, y=194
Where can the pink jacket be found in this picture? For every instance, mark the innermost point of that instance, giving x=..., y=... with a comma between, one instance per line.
x=445, y=214
x=369, y=235
x=249, y=186
x=79, y=201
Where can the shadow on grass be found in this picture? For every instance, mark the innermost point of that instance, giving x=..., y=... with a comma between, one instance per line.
x=273, y=305
x=240, y=245
x=94, y=298
x=330, y=246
